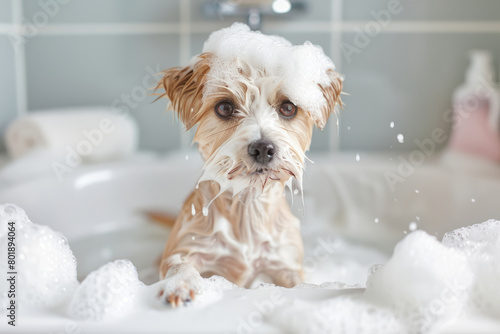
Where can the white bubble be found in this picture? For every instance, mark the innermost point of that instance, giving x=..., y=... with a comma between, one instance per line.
x=45, y=263
x=401, y=138
x=357, y=157
x=473, y=200
x=417, y=191
x=187, y=157
x=412, y=226
x=106, y=293
x=296, y=191
x=391, y=125
x=376, y=220
x=193, y=210
x=205, y=211
x=349, y=128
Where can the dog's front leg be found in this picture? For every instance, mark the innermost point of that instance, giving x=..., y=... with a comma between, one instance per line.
x=287, y=278
x=182, y=282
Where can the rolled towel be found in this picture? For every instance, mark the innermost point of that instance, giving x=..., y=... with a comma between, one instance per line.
x=82, y=135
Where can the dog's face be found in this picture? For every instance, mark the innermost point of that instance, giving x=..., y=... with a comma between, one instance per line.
x=249, y=132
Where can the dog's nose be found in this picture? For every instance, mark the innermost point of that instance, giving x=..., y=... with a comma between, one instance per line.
x=262, y=151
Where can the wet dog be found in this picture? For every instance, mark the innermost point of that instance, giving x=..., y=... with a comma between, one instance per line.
x=254, y=100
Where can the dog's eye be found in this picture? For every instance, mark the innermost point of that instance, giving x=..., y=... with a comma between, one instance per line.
x=224, y=109
x=288, y=109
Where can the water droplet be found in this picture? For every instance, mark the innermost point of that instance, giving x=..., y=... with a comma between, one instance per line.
x=296, y=191
x=473, y=200
x=401, y=138
x=391, y=125
x=193, y=210
x=192, y=109
x=357, y=157
x=376, y=220
x=417, y=191
x=187, y=157
x=418, y=218
x=193, y=238
x=405, y=232
x=205, y=211
x=412, y=226
x=349, y=128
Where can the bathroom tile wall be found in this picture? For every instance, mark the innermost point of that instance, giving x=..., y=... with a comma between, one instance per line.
x=102, y=52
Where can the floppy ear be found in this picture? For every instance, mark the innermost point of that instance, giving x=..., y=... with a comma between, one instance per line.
x=184, y=88
x=331, y=92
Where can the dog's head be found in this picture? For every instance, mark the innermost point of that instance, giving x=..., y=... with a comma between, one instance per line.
x=254, y=99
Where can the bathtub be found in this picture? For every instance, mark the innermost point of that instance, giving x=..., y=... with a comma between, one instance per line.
x=367, y=201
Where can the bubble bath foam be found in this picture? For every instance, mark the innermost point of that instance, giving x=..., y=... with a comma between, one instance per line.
x=425, y=286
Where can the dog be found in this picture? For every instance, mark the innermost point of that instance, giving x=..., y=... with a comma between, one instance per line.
x=254, y=100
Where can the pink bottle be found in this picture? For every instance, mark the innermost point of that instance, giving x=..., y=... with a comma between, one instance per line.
x=476, y=114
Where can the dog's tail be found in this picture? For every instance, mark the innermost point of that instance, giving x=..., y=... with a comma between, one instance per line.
x=162, y=218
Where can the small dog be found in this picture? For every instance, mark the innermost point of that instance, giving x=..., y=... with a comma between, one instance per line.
x=254, y=99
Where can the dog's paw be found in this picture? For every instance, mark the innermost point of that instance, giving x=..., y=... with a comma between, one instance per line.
x=180, y=290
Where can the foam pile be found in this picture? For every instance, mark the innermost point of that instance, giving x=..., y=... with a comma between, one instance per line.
x=481, y=245
x=425, y=283
x=300, y=67
x=107, y=293
x=44, y=261
x=424, y=287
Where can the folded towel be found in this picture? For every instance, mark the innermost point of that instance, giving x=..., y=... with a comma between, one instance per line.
x=82, y=135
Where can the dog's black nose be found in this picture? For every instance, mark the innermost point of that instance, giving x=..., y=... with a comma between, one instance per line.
x=262, y=151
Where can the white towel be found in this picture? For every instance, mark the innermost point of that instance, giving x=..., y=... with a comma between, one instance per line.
x=83, y=135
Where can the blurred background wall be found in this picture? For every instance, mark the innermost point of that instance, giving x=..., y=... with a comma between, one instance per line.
x=401, y=60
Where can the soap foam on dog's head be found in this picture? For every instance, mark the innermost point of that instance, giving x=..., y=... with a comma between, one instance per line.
x=301, y=68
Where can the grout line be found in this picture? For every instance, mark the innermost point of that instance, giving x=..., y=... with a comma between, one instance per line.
x=184, y=55
x=336, y=38
x=19, y=59
x=110, y=29
x=276, y=27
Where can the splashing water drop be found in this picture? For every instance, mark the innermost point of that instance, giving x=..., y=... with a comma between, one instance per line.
x=412, y=226
x=193, y=210
x=401, y=138
x=357, y=157
x=205, y=211
x=391, y=125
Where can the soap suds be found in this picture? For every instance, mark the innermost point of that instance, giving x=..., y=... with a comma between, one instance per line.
x=300, y=68
x=107, y=293
x=481, y=245
x=425, y=285
x=44, y=262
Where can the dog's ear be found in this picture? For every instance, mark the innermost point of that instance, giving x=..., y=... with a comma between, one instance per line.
x=184, y=88
x=331, y=92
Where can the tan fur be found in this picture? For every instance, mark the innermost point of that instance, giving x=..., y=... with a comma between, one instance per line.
x=332, y=96
x=252, y=231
